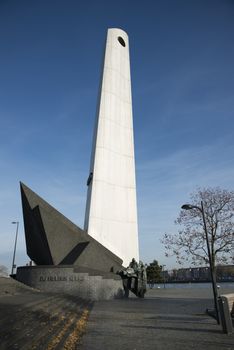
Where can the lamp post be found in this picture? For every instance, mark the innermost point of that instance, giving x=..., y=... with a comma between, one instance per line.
x=164, y=285
x=213, y=278
x=16, y=235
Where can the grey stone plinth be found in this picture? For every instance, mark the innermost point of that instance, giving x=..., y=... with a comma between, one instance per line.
x=67, y=280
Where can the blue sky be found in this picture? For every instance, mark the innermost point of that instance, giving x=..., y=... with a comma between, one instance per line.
x=182, y=67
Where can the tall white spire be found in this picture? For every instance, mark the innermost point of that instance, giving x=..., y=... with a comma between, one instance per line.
x=111, y=209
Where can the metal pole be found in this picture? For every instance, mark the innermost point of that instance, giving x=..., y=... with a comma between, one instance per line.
x=213, y=278
x=164, y=276
x=16, y=235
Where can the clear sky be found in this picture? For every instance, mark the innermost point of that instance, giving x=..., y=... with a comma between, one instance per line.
x=182, y=67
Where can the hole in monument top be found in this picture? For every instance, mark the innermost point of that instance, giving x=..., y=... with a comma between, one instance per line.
x=121, y=41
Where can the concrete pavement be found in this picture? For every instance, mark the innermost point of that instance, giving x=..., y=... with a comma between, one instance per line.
x=165, y=319
x=32, y=320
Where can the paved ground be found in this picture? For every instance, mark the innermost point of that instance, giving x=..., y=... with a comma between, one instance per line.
x=165, y=319
x=191, y=292
x=31, y=320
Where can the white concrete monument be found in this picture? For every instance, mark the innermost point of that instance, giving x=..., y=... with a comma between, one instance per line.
x=111, y=209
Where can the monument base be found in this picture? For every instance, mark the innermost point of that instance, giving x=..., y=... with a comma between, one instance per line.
x=73, y=280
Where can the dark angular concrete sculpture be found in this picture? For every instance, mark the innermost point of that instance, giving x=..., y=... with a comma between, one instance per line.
x=52, y=239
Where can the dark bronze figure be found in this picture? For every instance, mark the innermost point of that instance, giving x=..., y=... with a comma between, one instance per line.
x=134, y=279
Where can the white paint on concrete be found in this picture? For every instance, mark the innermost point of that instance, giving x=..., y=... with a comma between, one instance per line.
x=111, y=209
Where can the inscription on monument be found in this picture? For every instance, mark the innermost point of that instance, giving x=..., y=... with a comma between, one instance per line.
x=61, y=278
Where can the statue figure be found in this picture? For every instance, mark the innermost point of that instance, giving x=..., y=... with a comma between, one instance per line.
x=134, y=279
x=133, y=264
x=142, y=279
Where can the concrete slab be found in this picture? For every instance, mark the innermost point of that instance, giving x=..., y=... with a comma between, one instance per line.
x=165, y=319
x=157, y=322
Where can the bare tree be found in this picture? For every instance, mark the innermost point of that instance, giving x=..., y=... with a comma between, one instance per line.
x=189, y=244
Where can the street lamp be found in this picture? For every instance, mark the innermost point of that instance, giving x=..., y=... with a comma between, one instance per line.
x=16, y=235
x=213, y=278
x=163, y=276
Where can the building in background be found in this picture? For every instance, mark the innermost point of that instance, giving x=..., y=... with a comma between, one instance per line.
x=224, y=273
